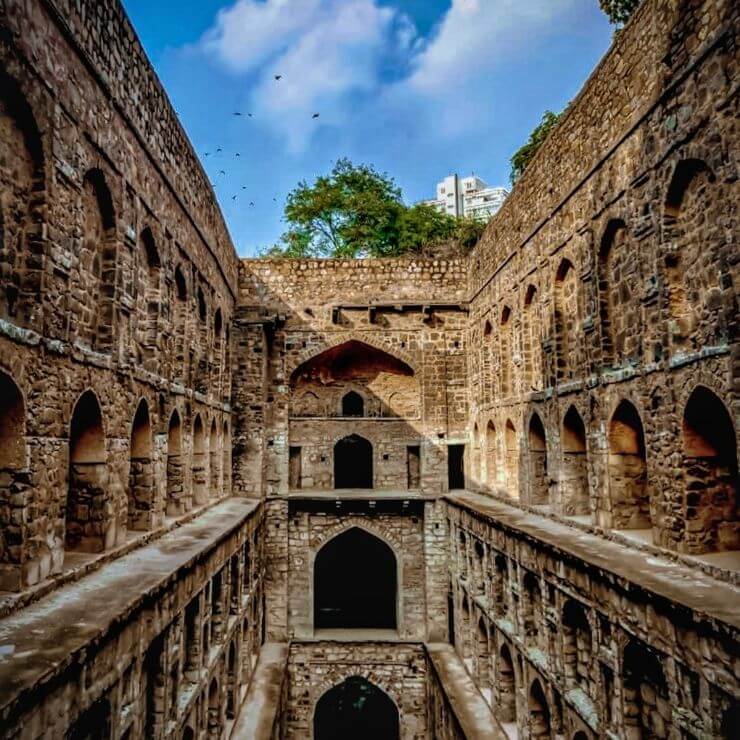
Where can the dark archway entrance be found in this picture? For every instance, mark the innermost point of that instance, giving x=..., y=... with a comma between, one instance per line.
x=355, y=583
x=353, y=463
x=355, y=709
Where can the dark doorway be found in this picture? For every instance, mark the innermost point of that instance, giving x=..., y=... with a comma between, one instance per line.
x=355, y=583
x=353, y=463
x=413, y=467
x=355, y=709
x=353, y=404
x=295, y=468
x=455, y=466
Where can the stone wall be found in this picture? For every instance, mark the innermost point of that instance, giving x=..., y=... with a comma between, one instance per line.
x=603, y=296
x=116, y=300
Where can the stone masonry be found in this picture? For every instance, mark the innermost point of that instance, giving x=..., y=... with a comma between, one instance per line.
x=485, y=497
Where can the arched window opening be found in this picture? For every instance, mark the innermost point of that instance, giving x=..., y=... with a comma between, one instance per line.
x=628, y=490
x=480, y=570
x=539, y=712
x=487, y=329
x=687, y=207
x=199, y=469
x=180, y=313
x=566, y=319
x=466, y=627
x=88, y=480
x=232, y=686
x=215, y=720
x=93, y=724
x=226, y=459
x=215, y=454
x=506, y=323
x=506, y=685
x=355, y=583
x=532, y=611
x=353, y=404
x=178, y=499
x=141, y=489
x=532, y=344
x=492, y=464
x=12, y=425
x=574, y=476
x=538, y=485
x=512, y=460
x=474, y=471
x=710, y=474
x=149, y=279
x=21, y=225
x=97, y=263
x=202, y=309
x=353, y=463
x=647, y=711
x=501, y=587
x=483, y=656
x=356, y=709
x=577, y=647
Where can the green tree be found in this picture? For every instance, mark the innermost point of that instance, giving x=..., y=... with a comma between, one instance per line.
x=524, y=154
x=619, y=11
x=356, y=211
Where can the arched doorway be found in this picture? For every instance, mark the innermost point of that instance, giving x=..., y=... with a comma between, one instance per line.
x=356, y=709
x=353, y=404
x=355, y=583
x=539, y=712
x=88, y=479
x=353, y=463
x=141, y=490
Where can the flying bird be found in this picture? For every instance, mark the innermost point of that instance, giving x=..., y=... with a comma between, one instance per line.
x=219, y=150
x=221, y=172
x=251, y=203
x=249, y=114
x=233, y=197
x=207, y=154
x=278, y=77
x=244, y=187
x=315, y=115
x=237, y=113
x=237, y=154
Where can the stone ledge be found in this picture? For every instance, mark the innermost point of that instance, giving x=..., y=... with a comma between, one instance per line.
x=47, y=637
x=259, y=711
x=468, y=705
x=675, y=581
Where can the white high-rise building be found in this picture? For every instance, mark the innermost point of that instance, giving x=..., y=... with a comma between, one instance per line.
x=468, y=196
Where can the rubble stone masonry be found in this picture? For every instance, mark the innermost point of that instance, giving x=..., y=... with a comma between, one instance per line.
x=527, y=457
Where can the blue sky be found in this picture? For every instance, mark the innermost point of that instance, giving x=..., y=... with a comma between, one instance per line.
x=418, y=88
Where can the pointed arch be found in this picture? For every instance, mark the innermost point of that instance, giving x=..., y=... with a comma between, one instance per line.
x=710, y=472
x=199, y=463
x=226, y=458
x=538, y=475
x=88, y=480
x=531, y=341
x=628, y=484
x=505, y=342
x=474, y=470
x=12, y=425
x=141, y=488
x=353, y=404
x=355, y=581
x=574, y=477
x=577, y=647
x=179, y=323
x=149, y=289
x=566, y=319
x=215, y=458
x=492, y=456
x=178, y=499
x=539, y=712
x=512, y=459
x=506, y=686
x=353, y=462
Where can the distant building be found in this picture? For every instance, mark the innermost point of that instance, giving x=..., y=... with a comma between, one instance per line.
x=468, y=196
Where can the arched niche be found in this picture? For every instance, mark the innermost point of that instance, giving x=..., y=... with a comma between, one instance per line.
x=355, y=582
x=512, y=459
x=215, y=457
x=353, y=462
x=141, y=488
x=353, y=404
x=565, y=319
x=357, y=709
x=199, y=463
x=178, y=498
x=12, y=425
x=539, y=712
x=538, y=485
x=386, y=384
x=574, y=474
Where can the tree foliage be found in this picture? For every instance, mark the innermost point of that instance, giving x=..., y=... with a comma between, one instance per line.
x=524, y=154
x=619, y=11
x=356, y=211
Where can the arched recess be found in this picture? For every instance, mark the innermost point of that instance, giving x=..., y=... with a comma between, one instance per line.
x=357, y=367
x=539, y=712
x=22, y=183
x=492, y=463
x=218, y=330
x=203, y=351
x=97, y=264
x=646, y=711
x=179, y=329
x=505, y=333
x=199, y=465
x=226, y=459
x=90, y=526
x=710, y=474
x=353, y=404
x=619, y=274
x=628, y=486
x=178, y=499
x=566, y=320
x=215, y=715
x=355, y=582
x=141, y=488
x=356, y=709
x=532, y=612
x=353, y=462
x=538, y=485
x=577, y=647
x=691, y=228
x=506, y=687
x=474, y=470
x=215, y=457
x=483, y=655
x=149, y=281
x=531, y=341
x=574, y=477
x=512, y=460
